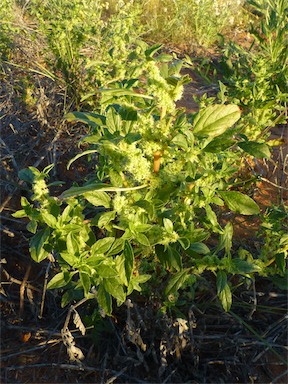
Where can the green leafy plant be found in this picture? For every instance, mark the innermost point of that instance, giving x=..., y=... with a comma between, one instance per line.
x=257, y=78
x=274, y=251
x=84, y=38
x=161, y=177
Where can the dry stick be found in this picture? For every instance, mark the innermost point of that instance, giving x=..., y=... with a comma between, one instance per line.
x=10, y=154
x=39, y=346
x=274, y=185
x=169, y=376
x=104, y=365
x=254, y=300
x=112, y=379
x=44, y=290
x=118, y=337
x=276, y=326
x=22, y=290
x=40, y=332
x=192, y=325
x=285, y=161
x=19, y=282
x=71, y=309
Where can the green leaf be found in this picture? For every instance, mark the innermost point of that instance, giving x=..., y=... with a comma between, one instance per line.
x=281, y=261
x=106, y=218
x=72, y=243
x=238, y=202
x=225, y=297
x=113, y=287
x=71, y=295
x=60, y=280
x=185, y=243
x=120, y=92
x=25, y=203
x=37, y=251
x=215, y=120
x=149, y=208
x=113, y=121
x=143, y=239
x=177, y=281
x=67, y=214
x=105, y=270
x=29, y=174
x=77, y=191
x=94, y=260
x=129, y=260
x=168, y=225
x=142, y=228
x=169, y=257
x=135, y=281
x=221, y=281
x=116, y=247
x=259, y=150
x=130, y=114
x=70, y=258
x=85, y=281
x=104, y=299
x=219, y=144
x=90, y=139
x=92, y=119
x=19, y=214
x=281, y=282
x=32, y=226
x=102, y=245
x=226, y=238
x=88, y=152
x=152, y=50
x=242, y=266
x=200, y=248
x=120, y=266
x=223, y=290
x=211, y=216
x=181, y=141
x=49, y=219
x=164, y=58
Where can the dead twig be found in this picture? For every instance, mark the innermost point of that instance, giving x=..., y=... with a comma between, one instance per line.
x=44, y=290
x=22, y=290
x=118, y=374
x=19, y=282
x=41, y=345
x=15, y=165
x=254, y=301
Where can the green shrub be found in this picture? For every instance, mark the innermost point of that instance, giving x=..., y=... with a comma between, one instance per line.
x=161, y=177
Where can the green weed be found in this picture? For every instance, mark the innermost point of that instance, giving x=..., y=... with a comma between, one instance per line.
x=7, y=29
x=161, y=178
x=257, y=78
x=83, y=37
